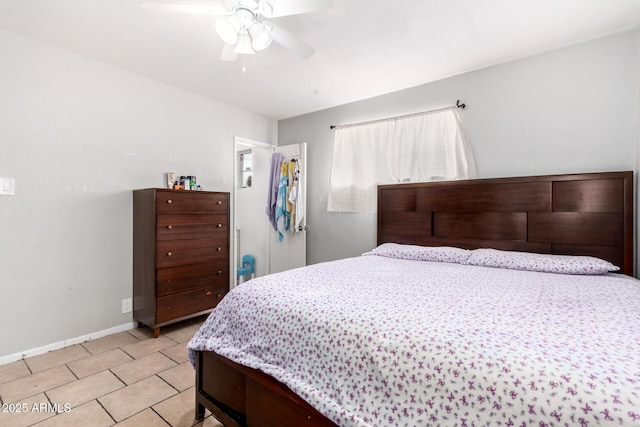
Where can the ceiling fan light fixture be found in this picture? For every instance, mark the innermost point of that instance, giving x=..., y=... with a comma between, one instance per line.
x=260, y=37
x=227, y=29
x=244, y=44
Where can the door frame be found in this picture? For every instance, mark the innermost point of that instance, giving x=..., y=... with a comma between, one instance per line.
x=238, y=140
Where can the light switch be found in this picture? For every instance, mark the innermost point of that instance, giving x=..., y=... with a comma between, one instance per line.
x=7, y=186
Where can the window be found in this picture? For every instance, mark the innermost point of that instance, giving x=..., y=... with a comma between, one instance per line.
x=422, y=147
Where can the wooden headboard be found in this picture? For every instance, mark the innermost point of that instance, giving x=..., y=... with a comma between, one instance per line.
x=585, y=214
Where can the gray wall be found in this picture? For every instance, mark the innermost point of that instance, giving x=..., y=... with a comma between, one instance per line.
x=567, y=111
x=78, y=136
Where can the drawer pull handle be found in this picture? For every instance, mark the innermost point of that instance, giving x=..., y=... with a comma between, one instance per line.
x=218, y=249
x=219, y=225
x=219, y=271
x=219, y=296
x=169, y=201
x=169, y=253
x=219, y=202
x=170, y=227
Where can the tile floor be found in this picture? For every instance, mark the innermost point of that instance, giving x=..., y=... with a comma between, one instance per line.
x=125, y=379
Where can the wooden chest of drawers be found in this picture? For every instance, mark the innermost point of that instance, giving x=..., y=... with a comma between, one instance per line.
x=180, y=254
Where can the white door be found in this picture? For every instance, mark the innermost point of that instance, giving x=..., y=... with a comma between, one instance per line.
x=291, y=251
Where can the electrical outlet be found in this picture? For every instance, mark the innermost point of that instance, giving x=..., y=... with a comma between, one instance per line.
x=7, y=186
x=126, y=305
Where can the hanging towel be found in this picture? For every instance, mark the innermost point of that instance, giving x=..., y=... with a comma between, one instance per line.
x=282, y=216
x=291, y=192
x=274, y=183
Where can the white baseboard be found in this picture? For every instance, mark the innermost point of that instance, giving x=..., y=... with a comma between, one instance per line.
x=66, y=343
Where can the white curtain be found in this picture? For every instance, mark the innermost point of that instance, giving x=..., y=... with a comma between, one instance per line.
x=425, y=147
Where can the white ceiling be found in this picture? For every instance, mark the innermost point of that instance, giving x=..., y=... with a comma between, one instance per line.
x=363, y=48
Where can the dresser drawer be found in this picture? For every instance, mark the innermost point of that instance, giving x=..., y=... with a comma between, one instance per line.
x=180, y=226
x=181, y=252
x=194, y=276
x=174, y=306
x=191, y=201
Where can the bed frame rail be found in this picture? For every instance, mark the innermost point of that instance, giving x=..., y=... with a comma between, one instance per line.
x=240, y=396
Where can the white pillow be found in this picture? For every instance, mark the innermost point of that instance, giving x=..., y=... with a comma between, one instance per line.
x=564, y=264
x=421, y=253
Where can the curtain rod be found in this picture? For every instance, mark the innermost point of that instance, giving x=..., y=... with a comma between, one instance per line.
x=458, y=105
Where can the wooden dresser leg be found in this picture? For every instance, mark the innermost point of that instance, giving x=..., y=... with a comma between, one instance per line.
x=199, y=411
x=156, y=332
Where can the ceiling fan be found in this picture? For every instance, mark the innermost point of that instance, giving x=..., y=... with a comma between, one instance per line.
x=242, y=25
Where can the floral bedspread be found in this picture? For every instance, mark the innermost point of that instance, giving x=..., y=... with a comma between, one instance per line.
x=377, y=341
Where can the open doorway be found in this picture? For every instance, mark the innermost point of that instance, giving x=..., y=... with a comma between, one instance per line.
x=252, y=230
x=251, y=226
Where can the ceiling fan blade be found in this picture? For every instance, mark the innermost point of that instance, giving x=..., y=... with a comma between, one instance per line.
x=277, y=8
x=291, y=42
x=228, y=54
x=211, y=7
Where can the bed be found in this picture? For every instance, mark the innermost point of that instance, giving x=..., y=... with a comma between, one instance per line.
x=486, y=302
